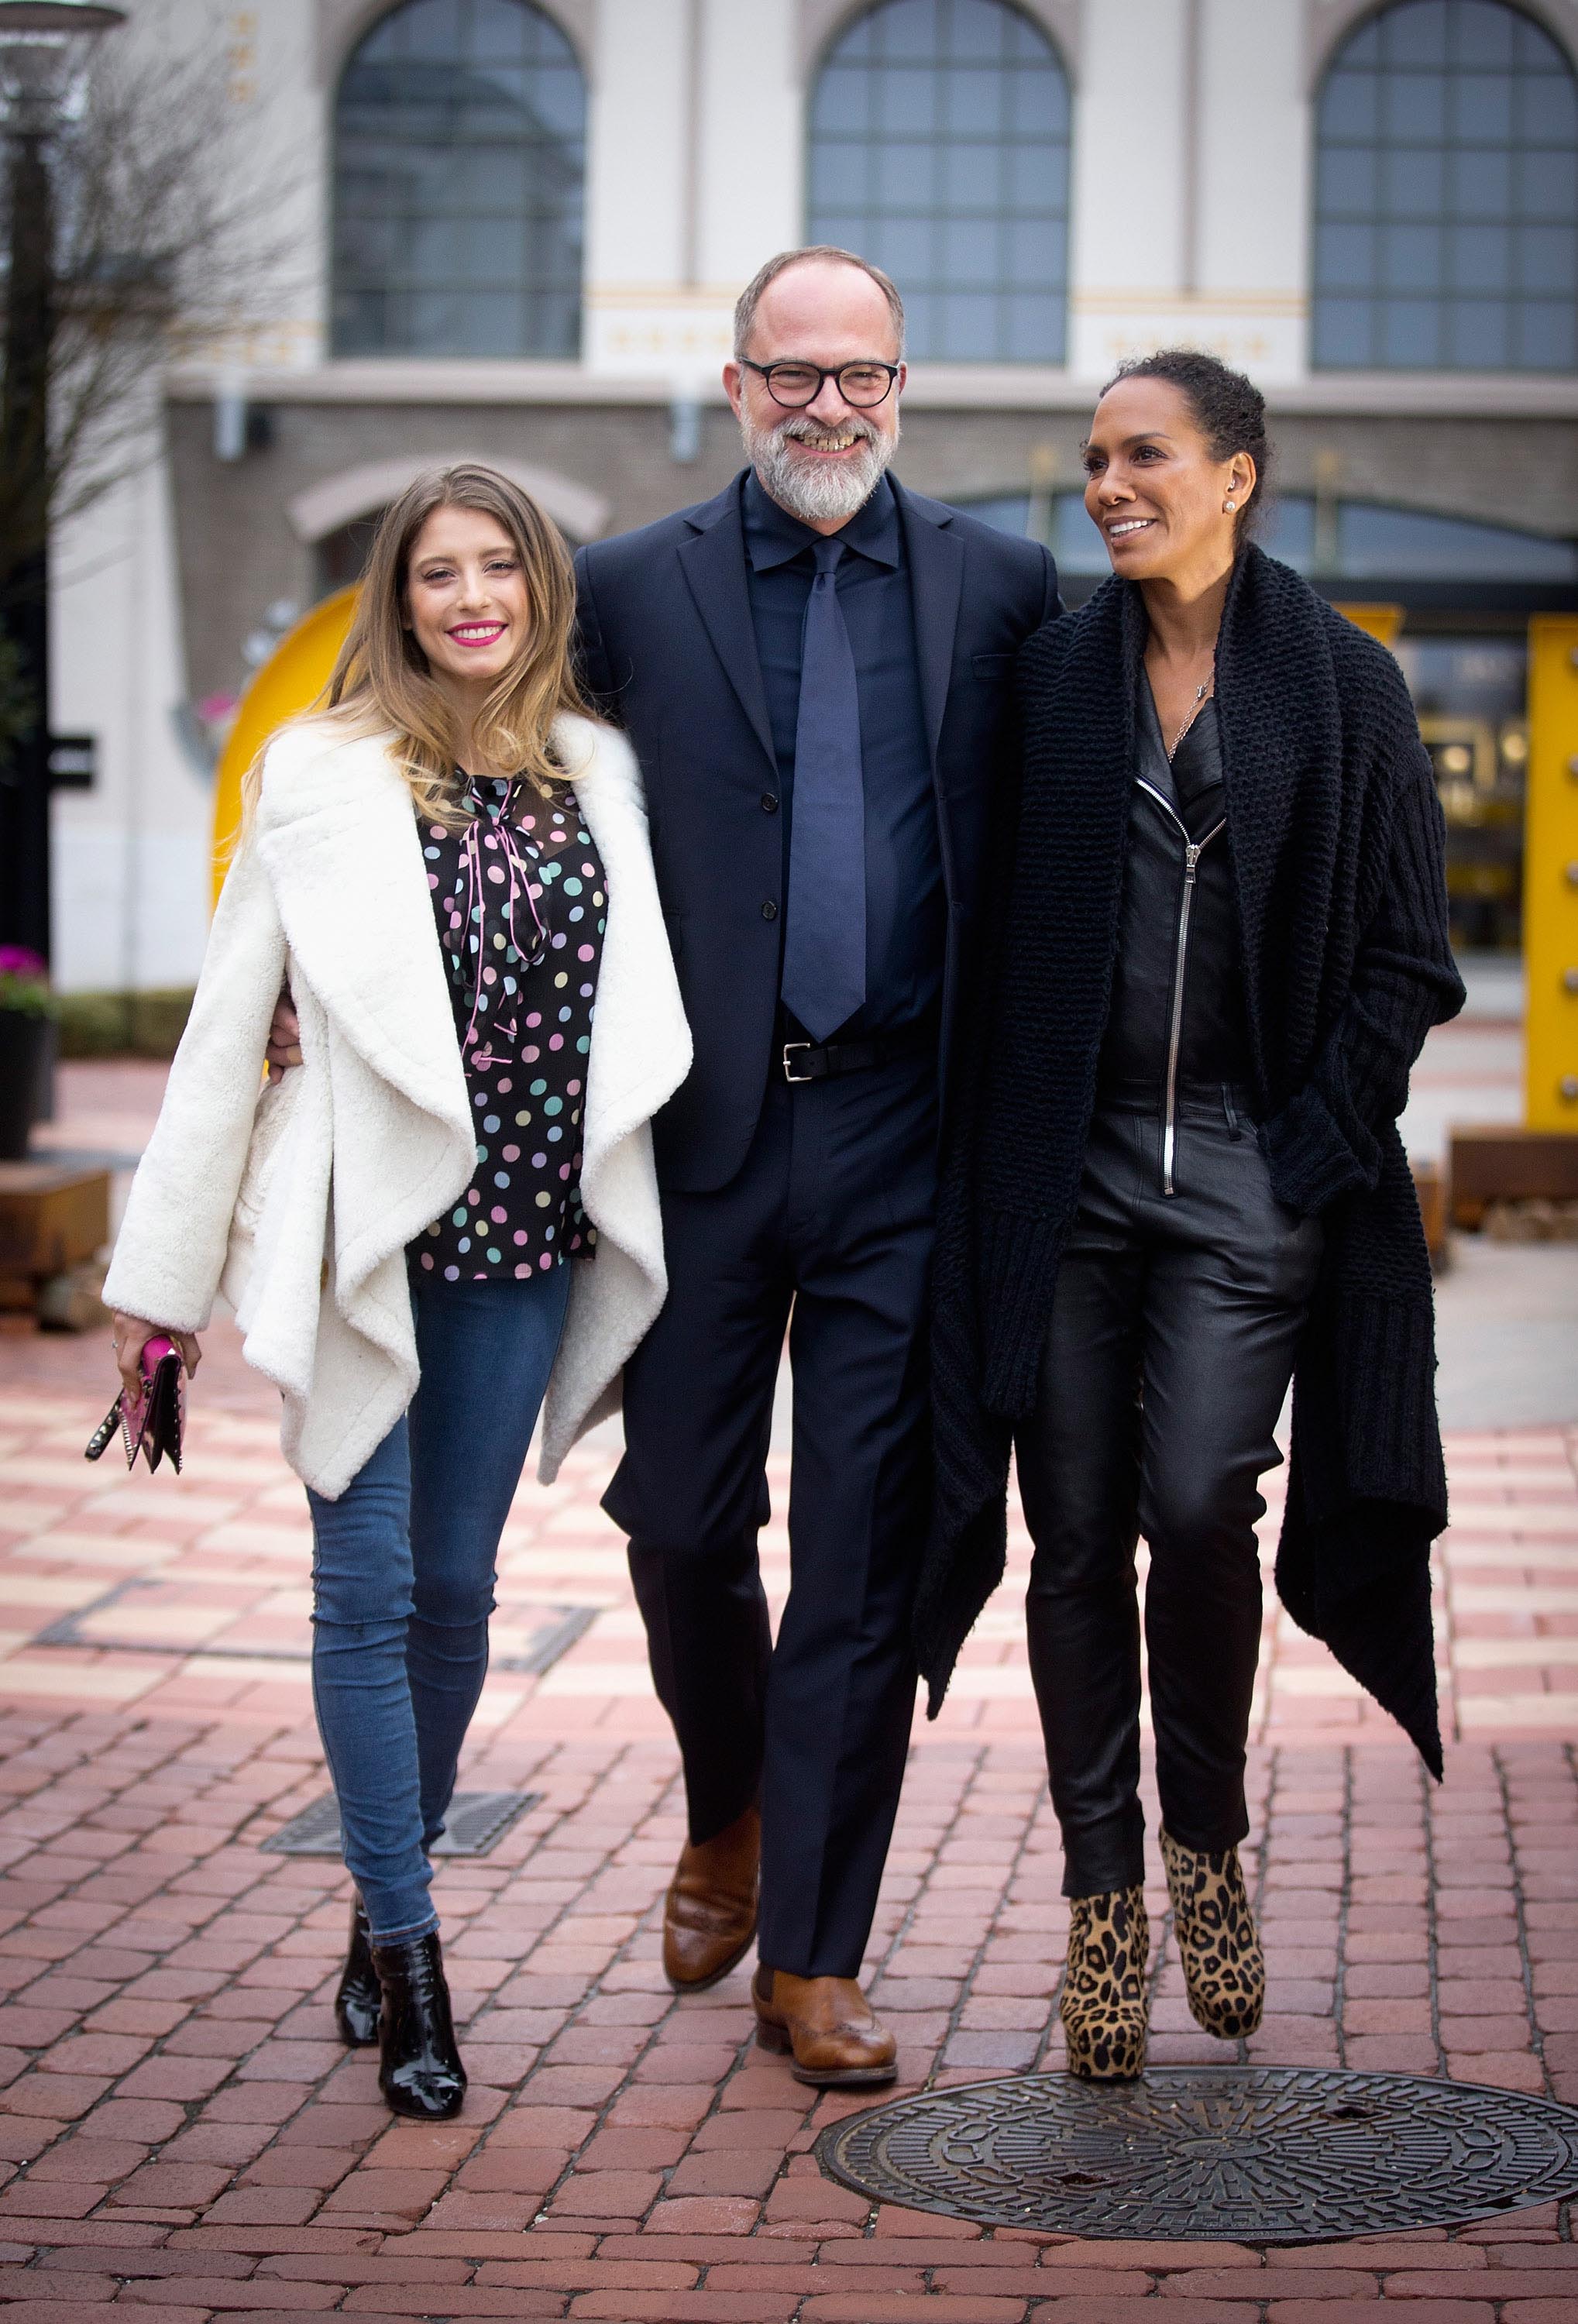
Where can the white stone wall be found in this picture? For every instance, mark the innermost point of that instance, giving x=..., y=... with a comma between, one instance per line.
x=282, y=134
x=1190, y=196
x=130, y=856
x=695, y=146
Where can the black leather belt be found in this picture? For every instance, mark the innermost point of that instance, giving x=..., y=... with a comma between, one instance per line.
x=806, y=1061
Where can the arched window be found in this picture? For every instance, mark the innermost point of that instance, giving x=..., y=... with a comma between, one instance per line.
x=459, y=146
x=1447, y=194
x=939, y=150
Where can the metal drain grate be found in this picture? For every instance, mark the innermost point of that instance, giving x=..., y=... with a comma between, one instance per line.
x=556, y=1629
x=477, y=1821
x=1262, y=2154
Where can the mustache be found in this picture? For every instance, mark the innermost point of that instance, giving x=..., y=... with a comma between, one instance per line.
x=797, y=428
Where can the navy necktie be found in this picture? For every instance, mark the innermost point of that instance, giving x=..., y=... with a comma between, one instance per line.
x=824, y=939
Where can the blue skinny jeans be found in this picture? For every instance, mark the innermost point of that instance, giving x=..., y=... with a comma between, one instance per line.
x=402, y=1579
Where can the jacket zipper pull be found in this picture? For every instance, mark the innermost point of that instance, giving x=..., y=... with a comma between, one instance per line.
x=1193, y=849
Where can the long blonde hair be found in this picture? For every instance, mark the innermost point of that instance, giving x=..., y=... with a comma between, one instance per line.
x=382, y=684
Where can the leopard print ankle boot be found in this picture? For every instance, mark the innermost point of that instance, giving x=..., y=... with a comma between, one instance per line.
x=1104, y=2005
x=1224, y=1969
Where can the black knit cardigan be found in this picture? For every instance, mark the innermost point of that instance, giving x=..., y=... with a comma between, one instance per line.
x=1337, y=844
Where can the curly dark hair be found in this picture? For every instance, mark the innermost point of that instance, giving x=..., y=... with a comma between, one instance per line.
x=1229, y=411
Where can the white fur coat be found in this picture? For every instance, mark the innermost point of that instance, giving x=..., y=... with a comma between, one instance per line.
x=299, y=1199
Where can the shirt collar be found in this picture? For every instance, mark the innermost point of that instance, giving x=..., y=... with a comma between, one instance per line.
x=772, y=536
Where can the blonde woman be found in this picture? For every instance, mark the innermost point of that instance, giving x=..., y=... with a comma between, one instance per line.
x=449, y=1211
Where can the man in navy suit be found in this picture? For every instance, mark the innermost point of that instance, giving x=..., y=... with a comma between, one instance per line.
x=813, y=669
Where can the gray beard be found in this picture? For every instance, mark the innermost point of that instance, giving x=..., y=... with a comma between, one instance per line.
x=816, y=495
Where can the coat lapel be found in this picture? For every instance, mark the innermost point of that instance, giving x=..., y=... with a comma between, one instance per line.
x=713, y=561
x=344, y=855
x=937, y=576
x=1077, y=701
x=1283, y=804
x=1085, y=756
x=640, y=1043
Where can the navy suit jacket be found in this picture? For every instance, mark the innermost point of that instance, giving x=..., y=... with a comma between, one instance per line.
x=666, y=648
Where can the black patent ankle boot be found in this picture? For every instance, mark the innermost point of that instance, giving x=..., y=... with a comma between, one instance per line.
x=419, y=2070
x=358, y=2002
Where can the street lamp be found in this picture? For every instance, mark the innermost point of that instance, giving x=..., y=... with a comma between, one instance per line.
x=43, y=45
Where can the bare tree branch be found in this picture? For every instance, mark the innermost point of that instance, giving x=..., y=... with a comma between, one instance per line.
x=165, y=239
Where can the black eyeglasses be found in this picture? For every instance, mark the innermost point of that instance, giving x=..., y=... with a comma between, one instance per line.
x=796, y=384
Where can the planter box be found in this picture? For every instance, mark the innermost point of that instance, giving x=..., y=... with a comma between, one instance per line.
x=26, y=1055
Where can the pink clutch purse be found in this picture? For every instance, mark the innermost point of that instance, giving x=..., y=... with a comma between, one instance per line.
x=150, y=1423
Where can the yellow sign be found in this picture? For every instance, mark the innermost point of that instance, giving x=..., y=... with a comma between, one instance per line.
x=1382, y=622
x=290, y=681
x=1550, y=876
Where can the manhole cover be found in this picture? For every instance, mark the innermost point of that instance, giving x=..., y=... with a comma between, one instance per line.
x=477, y=1819
x=1263, y=2155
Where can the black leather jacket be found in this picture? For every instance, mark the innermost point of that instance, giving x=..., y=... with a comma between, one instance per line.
x=1178, y=1019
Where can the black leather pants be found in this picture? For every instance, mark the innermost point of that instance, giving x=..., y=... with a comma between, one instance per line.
x=1174, y=1327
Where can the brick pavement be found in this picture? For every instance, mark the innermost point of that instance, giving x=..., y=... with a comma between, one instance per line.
x=181, y=2136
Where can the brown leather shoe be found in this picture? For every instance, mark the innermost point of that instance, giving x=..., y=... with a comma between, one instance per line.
x=709, y=1914
x=826, y=2026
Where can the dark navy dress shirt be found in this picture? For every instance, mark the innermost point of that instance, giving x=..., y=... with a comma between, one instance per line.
x=906, y=908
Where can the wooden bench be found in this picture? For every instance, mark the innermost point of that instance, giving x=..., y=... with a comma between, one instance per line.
x=1431, y=1189
x=52, y=1218
x=1509, y=1164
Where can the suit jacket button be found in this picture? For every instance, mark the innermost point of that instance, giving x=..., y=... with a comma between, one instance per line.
x=769, y=911
x=770, y=802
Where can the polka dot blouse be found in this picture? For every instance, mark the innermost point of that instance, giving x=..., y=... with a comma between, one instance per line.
x=522, y=907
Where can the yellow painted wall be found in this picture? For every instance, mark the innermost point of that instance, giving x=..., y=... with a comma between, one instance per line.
x=1550, y=876
x=292, y=680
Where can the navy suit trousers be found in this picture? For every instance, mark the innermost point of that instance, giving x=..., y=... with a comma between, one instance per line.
x=826, y=1229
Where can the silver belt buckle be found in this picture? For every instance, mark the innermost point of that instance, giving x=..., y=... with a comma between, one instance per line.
x=796, y=1080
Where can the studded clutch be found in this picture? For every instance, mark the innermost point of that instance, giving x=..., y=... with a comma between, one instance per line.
x=150, y=1423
